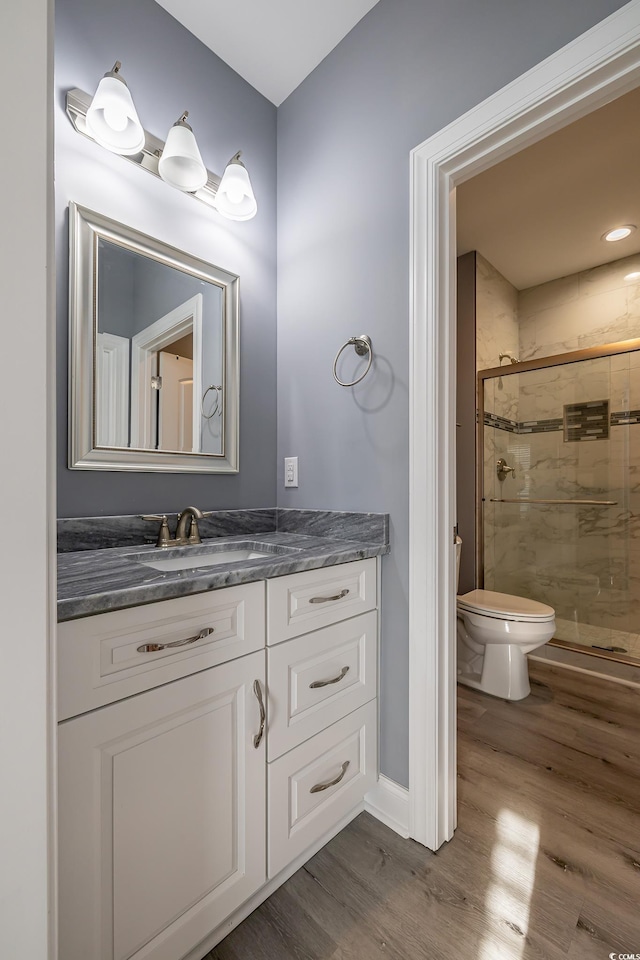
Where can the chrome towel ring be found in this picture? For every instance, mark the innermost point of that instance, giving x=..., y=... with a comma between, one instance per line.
x=362, y=346
x=217, y=406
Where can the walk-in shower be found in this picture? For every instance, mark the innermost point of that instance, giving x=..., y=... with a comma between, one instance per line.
x=559, y=492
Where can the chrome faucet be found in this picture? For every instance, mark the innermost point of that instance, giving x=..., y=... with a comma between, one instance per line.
x=186, y=529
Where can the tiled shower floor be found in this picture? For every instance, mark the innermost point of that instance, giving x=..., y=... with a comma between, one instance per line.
x=586, y=635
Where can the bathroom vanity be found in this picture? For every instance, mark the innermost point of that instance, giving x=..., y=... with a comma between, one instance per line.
x=209, y=743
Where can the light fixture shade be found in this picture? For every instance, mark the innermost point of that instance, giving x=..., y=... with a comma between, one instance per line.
x=181, y=165
x=235, y=198
x=112, y=119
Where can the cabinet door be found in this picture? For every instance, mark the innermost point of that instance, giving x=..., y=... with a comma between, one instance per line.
x=161, y=816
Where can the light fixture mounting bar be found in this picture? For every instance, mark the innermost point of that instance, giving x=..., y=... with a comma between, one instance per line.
x=78, y=103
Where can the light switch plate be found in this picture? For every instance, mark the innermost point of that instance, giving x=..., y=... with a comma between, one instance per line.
x=291, y=471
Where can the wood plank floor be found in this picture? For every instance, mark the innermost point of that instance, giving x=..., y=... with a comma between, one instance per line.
x=545, y=863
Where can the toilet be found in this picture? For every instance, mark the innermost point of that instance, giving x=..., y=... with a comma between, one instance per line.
x=496, y=631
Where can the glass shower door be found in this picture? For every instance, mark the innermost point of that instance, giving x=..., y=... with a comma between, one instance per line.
x=561, y=494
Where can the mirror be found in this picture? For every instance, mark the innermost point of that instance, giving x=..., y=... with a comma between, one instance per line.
x=153, y=351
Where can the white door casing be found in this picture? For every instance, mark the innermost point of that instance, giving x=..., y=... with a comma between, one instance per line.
x=186, y=318
x=597, y=67
x=177, y=429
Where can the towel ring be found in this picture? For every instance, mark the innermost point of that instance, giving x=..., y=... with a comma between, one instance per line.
x=217, y=408
x=362, y=346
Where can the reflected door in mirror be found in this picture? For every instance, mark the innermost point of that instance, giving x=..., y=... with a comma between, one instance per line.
x=159, y=344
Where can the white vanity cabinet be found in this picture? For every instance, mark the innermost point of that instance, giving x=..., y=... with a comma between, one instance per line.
x=161, y=795
x=206, y=746
x=322, y=702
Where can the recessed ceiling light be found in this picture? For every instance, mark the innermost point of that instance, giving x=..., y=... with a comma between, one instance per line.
x=619, y=233
x=635, y=275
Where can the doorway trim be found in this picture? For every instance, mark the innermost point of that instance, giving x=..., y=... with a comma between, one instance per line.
x=597, y=67
x=184, y=319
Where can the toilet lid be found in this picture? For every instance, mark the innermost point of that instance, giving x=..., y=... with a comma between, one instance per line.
x=504, y=606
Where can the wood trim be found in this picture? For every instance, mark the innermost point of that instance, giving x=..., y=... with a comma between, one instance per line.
x=388, y=802
x=594, y=69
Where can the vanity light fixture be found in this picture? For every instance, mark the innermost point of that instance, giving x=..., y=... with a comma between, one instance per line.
x=235, y=198
x=181, y=164
x=619, y=233
x=634, y=275
x=112, y=119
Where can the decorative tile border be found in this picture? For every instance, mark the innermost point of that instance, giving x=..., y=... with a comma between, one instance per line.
x=500, y=423
x=623, y=417
x=540, y=426
x=618, y=418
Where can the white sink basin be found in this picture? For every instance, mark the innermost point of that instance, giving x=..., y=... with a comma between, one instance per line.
x=202, y=560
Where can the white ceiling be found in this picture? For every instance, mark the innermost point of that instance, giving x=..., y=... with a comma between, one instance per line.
x=541, y=214
x=274, y=44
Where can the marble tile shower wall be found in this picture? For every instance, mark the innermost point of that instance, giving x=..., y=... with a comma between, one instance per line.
x=583, y=560
x=497, y=332
x=583, y=310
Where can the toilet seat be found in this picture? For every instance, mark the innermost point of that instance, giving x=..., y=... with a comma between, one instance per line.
x=504, y=606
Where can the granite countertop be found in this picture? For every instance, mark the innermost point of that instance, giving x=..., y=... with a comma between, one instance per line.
x=96, y=581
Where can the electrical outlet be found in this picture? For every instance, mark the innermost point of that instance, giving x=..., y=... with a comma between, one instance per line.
x=291, y=471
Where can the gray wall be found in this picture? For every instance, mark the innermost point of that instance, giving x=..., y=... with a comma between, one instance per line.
x=405, y=71
x=168, y=71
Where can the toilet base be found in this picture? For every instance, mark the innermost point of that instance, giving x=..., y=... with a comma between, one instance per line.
x=505, y=673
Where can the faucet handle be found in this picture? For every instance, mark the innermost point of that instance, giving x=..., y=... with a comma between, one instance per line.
x=194, y=533
x=164, y=537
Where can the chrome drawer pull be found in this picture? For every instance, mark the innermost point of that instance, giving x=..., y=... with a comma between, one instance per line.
x=319, y=787
x=338, y=596
x=154, y=647
x=258, y=692
x=326, y=683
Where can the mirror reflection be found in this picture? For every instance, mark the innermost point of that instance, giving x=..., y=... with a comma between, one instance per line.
x=154, y=353
x=159, y=355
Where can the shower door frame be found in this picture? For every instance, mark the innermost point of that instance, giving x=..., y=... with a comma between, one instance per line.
x=541, y=363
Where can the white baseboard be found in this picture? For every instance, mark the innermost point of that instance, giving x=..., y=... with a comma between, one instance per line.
x=389, y=803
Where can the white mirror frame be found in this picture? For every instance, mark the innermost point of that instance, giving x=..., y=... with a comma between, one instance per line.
x=86, y=228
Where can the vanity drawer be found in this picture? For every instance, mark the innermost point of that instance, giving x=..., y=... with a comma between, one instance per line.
x=318, y=679
x=99, y=660
x=341, y=760
x=307, y=601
